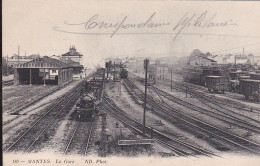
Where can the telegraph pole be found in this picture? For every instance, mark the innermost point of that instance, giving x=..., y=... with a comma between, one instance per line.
x=18, y=53
x=235, y=63
x=163, y=73
x=7, y=65
x=146, y=61
x=186, y=89
x=120, y=79
x=155, y=77
x=171, y=79
x=114, y=72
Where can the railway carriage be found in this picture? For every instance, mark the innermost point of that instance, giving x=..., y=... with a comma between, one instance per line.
x=250, y=89
x=217, y=83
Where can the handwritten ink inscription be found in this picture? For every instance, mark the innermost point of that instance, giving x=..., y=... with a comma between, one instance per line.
x=188, y=20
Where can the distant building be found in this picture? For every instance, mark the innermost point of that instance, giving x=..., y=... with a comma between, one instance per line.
x=257, y=60
x=161, y=71
x=16, y=59
x=201, y=61
x=73, y=55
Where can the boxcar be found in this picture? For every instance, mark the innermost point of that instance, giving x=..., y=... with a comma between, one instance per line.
x=237, y=74
x=255, y=76
x=193, y=77
x=216, y=83
x=250, y=89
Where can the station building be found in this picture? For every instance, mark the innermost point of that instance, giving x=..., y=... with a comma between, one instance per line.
x=72, y=55
x=77, y=67
x=43, y=71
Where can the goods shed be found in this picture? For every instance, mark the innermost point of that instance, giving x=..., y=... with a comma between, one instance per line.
x=42, y=71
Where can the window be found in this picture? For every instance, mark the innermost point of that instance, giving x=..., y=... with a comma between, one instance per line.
x=53, y=71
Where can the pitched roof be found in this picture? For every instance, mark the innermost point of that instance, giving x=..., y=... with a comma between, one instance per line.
x=200, y=56
x=44, y=62
x=72, y=63
x=74, y=54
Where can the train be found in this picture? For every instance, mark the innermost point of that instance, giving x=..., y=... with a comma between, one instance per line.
x=198, y=75
x=218, y=79
x=88, y=103
x=86, y=107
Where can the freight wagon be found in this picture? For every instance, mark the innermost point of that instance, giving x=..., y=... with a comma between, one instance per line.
x=198, y=75
x=234, y=84
x=216, y=83
x=237, y=74
x=193, y=77
x=250, y=89
x=255, y=76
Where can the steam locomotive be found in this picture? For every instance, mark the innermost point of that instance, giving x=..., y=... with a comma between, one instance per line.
x=86, y=106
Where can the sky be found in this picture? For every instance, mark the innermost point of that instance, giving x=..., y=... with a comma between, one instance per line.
x=42, y=27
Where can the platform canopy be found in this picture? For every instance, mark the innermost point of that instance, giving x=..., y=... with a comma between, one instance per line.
x=41, y=71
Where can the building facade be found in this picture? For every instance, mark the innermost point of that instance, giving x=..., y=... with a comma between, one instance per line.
x=72, y=55
x=201, y=61
x=43, y=71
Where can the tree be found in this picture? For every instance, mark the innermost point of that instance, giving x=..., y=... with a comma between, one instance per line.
x=207, y=55
x=6, y=69
x=196, y=52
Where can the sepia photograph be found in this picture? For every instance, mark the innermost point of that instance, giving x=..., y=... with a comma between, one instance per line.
x=159, y=82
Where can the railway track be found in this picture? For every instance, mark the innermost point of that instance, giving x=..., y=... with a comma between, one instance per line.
x=242, y=122
x=215, y=103
x=195, y=125
x=220, y=112
x=200, y=94
x=38, y=131
x=177, y=146
x=17, y=112
x=80, y=139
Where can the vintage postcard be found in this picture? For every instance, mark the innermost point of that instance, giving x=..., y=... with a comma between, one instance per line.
x=130, y=83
